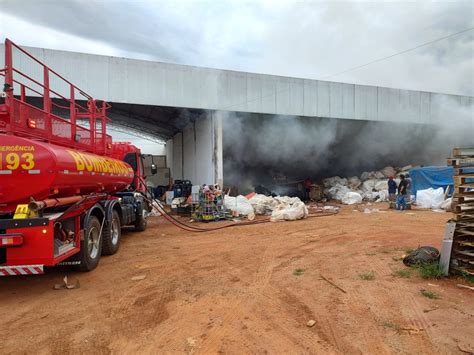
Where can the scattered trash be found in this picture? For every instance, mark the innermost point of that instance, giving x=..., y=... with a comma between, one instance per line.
x=332, y=283
x=138, y=278
x=331, y=208
x=67, y=286
x=373, y=210
x=311, y=323
x=422, y=255
x=412, y=330
x=190, y=342
x=431, y=309
x=465, y=286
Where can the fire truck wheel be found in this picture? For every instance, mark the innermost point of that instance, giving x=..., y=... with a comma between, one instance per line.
x=140, y=223
x=91, y=245
x=112, y=235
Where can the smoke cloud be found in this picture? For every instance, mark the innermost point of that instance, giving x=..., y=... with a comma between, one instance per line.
x=258, y=148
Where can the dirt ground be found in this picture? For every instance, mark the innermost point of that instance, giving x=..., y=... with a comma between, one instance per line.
x=250, y=289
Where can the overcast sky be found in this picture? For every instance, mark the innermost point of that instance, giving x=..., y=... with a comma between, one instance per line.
x=306, y=39
x=311, y=39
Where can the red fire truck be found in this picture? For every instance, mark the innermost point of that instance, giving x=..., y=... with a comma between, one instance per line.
x=65, y=188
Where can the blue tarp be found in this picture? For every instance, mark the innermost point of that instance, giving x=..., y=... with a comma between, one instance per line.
x=431, y=176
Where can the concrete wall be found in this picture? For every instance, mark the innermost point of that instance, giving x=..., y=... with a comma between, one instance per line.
x=155, y=83
x=196, y=153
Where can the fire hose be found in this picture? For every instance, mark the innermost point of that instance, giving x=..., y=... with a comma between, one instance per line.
x=156, y=204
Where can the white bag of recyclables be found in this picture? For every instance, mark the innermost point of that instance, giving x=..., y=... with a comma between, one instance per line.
x=239, y=204
x=389, y=171
x=263, y=204
x=447, y=204
x=376, y=196
x=334, y=181
x=430, y=198
x=354, y=182
x=337, y=192
x=351, y=198
x=283, y=212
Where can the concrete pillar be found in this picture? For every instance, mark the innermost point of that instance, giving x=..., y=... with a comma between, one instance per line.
x=169, y=156
x=177, y=162
x=196, y=152
x=218, y=156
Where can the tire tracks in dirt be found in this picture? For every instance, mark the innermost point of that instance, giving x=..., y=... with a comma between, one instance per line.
x=418, y=327
x=257, y=297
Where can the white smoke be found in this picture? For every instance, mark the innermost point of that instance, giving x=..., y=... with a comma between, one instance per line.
x=259, y=147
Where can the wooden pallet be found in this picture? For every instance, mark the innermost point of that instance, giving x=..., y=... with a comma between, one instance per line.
x=462, y=255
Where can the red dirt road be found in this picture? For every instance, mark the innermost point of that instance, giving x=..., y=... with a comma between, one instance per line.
x=234, y=291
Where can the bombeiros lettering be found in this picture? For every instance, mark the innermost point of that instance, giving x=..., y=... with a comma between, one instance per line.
x=97, y=164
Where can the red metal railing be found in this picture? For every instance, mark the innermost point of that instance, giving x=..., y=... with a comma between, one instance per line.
x=18, y=117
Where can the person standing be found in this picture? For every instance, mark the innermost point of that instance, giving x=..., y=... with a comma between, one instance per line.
x=392, y=189
x=402, y=191
x=409, y=187
x=307, y=188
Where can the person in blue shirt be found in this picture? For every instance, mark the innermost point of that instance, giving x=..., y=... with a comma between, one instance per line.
x=392, y=189
x=402, y=191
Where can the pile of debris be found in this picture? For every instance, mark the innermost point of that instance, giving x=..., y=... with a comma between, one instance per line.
x=280, y=208
x=370, y=186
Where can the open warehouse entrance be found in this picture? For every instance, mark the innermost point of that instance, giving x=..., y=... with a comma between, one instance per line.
x=276, y=152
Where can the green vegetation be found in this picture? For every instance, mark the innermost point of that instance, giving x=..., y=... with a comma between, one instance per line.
x=368, y=276
x=468, y=277
x=430, y=270
x=298, y=272
x=404, y=273
x=429, y=294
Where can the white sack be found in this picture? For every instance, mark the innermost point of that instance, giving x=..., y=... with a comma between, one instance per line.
x=334, y=181
x=446, y=204
x=388, y=171
x=337, y=192
x=263, y=204
x=239, y=204
x=354, y=182
x=351, y=198
x=296, y=211
x=430, y=198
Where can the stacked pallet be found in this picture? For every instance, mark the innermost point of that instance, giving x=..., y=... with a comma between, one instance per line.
x=462, y=256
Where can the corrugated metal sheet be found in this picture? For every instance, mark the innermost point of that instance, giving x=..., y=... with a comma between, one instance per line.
x=153, y=83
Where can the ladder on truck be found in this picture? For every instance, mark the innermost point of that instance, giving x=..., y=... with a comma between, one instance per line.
x=30, y=108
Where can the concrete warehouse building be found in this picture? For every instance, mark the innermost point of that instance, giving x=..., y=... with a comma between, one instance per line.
x=237, y=128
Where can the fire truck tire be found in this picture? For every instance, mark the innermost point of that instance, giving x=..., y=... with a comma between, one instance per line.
x=91, y=245
x=140, y=223
x=112, y=235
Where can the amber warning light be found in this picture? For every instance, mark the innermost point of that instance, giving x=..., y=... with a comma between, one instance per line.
x=31, y=123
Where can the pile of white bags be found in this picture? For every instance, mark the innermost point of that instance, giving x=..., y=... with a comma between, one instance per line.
x=371, y=186
x=430, y=198
x=281, y=208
